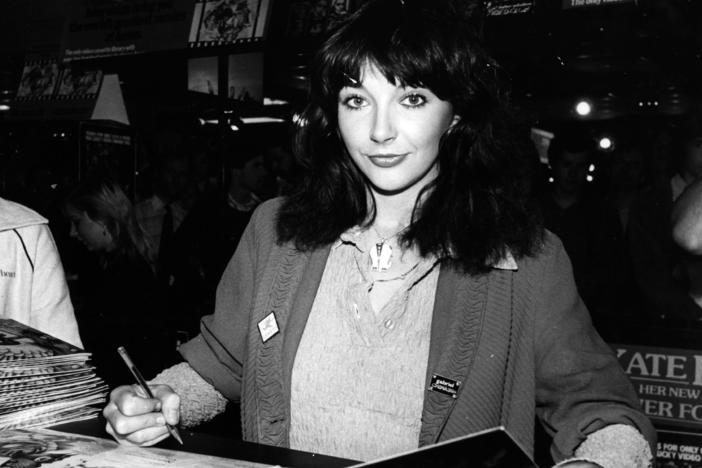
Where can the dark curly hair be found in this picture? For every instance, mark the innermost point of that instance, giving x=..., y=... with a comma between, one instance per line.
x=478, y=208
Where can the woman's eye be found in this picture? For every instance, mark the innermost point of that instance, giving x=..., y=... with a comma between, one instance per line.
x=354, y=102
x=414, y=100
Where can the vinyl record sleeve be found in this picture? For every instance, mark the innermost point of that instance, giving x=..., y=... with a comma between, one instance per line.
x=491, y=448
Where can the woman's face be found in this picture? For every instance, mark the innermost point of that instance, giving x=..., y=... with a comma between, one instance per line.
x=92, y=234
x=392, y=133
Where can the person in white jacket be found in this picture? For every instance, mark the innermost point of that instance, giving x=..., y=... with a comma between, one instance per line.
x=33, y=287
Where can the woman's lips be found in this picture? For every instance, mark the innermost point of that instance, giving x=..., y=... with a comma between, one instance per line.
x=386, y=160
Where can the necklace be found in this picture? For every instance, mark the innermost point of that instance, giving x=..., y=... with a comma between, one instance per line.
x=381, y=256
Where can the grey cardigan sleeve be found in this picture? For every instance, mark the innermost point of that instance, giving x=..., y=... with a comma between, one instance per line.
x=580, y=386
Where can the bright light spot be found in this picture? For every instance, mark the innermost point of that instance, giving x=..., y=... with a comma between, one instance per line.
x=255, y=120
x=605, y=143
x=234, y=128
x=591, y=168
x=274, y=102
x=4, y=107
x=201, y=121
x=590, y=178
x=550, y=180
x=583, y=108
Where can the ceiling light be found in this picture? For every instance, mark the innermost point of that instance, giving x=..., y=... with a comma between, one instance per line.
x=583, y=108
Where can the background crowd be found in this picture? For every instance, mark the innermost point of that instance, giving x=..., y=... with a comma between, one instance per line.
x=154, y=247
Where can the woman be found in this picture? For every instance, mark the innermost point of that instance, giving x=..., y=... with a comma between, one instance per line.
x=404, y=295
x=117, y=288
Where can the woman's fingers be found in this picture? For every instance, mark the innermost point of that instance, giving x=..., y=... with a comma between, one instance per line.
x=134, y=419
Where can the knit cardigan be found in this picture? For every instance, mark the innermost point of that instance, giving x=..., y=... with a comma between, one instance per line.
x=520, y=343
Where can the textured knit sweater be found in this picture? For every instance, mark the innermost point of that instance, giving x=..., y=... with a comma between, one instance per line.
x=519, y=344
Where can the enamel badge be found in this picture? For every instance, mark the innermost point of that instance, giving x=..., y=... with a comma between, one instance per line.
x=444, y=385
x=268, y=327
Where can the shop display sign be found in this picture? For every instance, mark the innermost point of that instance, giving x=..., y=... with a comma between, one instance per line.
x=678, y=449
x=101, y=28
x=508, y=7
x=668, y=382
x=591, y=3
x=107, y=150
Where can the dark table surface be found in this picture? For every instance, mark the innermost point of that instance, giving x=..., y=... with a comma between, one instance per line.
x=208, y=444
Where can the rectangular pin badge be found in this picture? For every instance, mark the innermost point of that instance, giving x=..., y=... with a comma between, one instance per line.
x=268, y=327
x=444, y=385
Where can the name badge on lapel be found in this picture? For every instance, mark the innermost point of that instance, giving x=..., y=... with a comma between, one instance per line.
x=268, y=327
x=444, y=385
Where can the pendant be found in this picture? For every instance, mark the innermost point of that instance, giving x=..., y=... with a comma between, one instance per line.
x=381, y=257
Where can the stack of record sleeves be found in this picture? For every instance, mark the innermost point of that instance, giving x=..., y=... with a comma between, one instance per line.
x=44, y=381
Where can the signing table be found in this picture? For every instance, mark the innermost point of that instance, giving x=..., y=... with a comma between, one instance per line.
x=207, y=444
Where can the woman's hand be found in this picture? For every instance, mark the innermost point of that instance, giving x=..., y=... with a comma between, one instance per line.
x=135, y=419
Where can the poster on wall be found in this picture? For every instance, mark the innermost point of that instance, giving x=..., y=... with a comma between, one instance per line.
x=42, y=80
x=102, y=29
x=313, y=17
x=79, y=84
x=668, y=382
x=220, y=22
x=108, y=150
x=245, y=77
x=203, y=73
x=38, y=80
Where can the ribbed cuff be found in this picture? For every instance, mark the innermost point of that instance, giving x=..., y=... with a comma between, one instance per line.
x=199, y=401
x=615, y=446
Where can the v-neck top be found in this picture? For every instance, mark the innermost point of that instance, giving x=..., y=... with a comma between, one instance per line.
x=358, y=378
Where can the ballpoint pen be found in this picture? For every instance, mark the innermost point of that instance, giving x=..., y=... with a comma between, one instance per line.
x=142, y=383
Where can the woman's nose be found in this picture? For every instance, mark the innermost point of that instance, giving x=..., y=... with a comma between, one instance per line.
x=383, y=128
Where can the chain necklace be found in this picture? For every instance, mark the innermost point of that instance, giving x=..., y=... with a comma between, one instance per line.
x=381, y=255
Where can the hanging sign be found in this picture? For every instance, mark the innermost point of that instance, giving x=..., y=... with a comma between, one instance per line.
x=101, y=28
x=567, y=4
x=508, y=7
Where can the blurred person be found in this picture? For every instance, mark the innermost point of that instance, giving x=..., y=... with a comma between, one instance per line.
x=627, y=176
x=33, y=287
x=210, y=233
x=686, y=219
x=405, y=294
x=659, y=265
x=174, y=193
x=587, y=225
x=118, y=288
